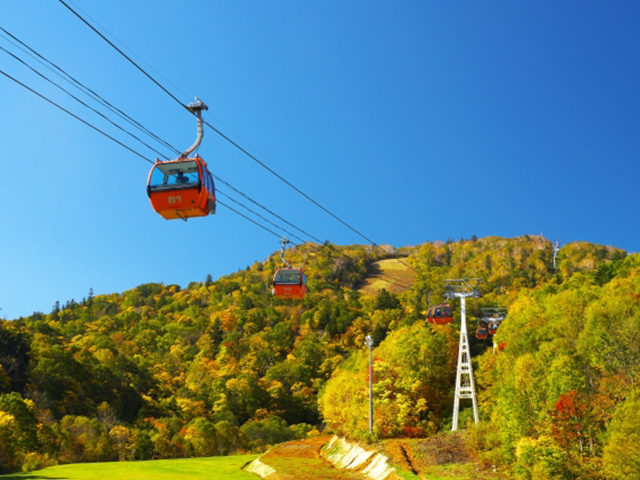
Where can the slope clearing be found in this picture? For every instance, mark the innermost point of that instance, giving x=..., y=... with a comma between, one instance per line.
x=302, y=459
x=441, y=457
x=386, y=273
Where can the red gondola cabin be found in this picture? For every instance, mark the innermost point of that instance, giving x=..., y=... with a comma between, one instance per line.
x=290, y=283
x=182, y=188
x=440, y=315
x=481, y=333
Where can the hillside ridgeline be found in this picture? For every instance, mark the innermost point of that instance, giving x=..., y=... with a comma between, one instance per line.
x=222, y=367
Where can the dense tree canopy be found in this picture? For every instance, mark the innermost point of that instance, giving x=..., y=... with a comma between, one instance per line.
x=222, y=366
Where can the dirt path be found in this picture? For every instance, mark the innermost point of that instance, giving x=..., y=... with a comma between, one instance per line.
x=307, y=462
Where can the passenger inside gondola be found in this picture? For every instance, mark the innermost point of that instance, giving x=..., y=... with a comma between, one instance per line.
x=181, y=178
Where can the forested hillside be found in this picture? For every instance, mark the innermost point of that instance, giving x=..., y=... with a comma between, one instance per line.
x=220, y=367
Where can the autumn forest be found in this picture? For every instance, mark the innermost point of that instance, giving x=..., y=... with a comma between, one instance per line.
x=220, y=367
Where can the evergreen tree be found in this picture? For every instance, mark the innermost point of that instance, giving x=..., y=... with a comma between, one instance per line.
x=487, y=263
x=386, y=301
x=90, y=298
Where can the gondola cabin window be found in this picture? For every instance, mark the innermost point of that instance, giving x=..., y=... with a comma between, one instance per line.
x=171, y=176
x=288, y=276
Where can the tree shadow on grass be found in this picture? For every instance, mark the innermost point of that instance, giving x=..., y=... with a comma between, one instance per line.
x=29, y=476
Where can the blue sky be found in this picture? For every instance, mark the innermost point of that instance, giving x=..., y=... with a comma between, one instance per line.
x=412, y=121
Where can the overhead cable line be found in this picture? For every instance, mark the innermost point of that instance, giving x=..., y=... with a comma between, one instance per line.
x=383, y=277
x=266, y=209
x=150, y=161
x=127, y=48
x=75, y=116
x=130, y=149
x=127, y=147
x=320, y=242
x=259, y=216
x=81, y=102
x=118, y=111
x=273, y=172
x=81, y=86
x=250, y=219
x=280, y=177
x=122, y=53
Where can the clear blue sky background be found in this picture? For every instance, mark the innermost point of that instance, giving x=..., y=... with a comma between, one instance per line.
x=413, y=121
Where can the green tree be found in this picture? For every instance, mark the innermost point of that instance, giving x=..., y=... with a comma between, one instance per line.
x=15, y=354
x=24, y=419
x=386, y=301
x=622, y=452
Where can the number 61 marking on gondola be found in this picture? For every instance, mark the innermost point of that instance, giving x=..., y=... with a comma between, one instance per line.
x=173, y=199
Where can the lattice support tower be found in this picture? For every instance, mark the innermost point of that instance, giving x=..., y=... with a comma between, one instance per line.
x=465, y=387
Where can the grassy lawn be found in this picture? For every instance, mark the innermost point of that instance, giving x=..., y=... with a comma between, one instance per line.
x=182, y=469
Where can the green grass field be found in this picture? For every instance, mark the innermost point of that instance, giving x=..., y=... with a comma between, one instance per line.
x=182, y=469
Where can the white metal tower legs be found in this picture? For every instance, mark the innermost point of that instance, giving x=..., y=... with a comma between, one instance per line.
x=464, y=381
x=464, y=375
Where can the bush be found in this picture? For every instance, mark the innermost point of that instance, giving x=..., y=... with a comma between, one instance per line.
x=262, y=433
x=37, y=461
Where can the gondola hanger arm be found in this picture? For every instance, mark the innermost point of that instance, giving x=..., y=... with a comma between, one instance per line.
x=283, y=247
x=196, y=107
